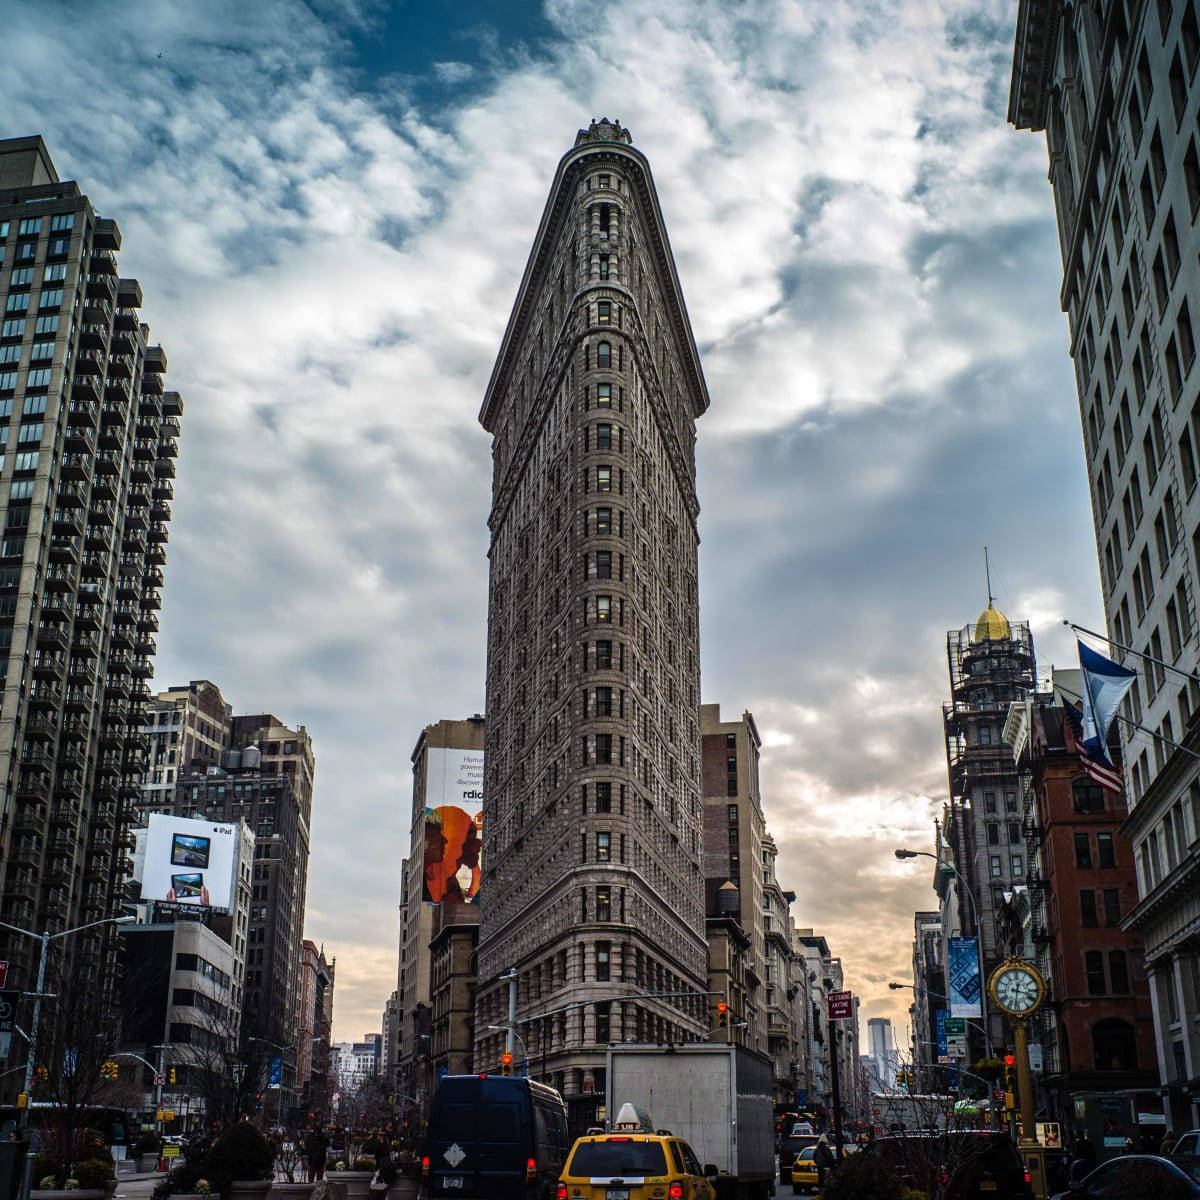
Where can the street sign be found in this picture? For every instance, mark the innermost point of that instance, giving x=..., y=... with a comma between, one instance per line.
x=956, y=1046
x=955, y=1025
x=159, y=1080
x=841, y=1006
x=3, y=972
x=1036, y=1060
x=275, y=1078
x=170, y=1152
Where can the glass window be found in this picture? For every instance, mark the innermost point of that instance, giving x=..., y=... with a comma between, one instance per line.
x=27, y=461
x=54, y=272
x=604, y=354
x=997, y=866
x=39, y=378
x=40, y=351
x=604, y=395
x=1093, y=964
x=1106, y=850
x=30, y=433
x=16, y=302
x=603, y=520
x=29, y=226
x=603, y=846
x=603, y=655
x=1010, y=802
x=604, y=437
x=604, y=903
x=1112, y=906
x=1018, y=864
x=34, y=404
x=22, y=277
x=604, y=479
x=603, y=564
x=47, y=324
x=989, y=802
x=50, y=299
x=603, y=312
x=15, y=327
x=603, y=608
x=1083, y=850
x=1087, y=907
x=61, y=222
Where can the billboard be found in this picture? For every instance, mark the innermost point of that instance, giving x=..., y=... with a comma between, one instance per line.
x=453, y=825
x=962, y=970
x=189, y=862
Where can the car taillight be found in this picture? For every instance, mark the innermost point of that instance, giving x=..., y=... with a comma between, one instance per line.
x=530, y=1170
x=1028, y=1177
x=425, y=1167
x=560, y=1193
x=675, y=1191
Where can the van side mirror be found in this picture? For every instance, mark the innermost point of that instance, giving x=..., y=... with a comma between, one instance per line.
x=710, y=1171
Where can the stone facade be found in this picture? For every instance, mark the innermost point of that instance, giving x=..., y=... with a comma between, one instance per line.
x=1115, y=89
x=592, y=885
x=734, y=829
x=452, y=987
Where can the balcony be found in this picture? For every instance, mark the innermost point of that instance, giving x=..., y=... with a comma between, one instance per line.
x=118, y=390
x=115, y=414
x=134, y=541
x=19, y=909
x=102, y=512
x=45, y=695
x=120, y=366
x=93, y=336
x=164, y=469
x=116, y=686
x=102, y=287
x=145, y=449
x=103, y=262
x=60, y=578
x=56, y=607
x=156, y=556
x=159, y=532
x=140, y=498
x=75, y=466
x=41, y=727
x=64, y=816
x=172, y=404
x=52, y=637
x=130, y=294
x=127, y=320
x=168, y=448
x=77, y=700
x=122, y=636
x=48, y=666
x=169, y=427
x=89, y=362
x=80, y=673
x=164, y=490
x=152, y=384
x=143, y=668
x=147, y=620
x=71, y=495
x=80, y=440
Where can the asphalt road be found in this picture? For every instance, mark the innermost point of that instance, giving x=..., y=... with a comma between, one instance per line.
x=135, y=1189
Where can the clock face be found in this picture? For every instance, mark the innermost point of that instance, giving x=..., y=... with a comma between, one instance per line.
x=1018, y=990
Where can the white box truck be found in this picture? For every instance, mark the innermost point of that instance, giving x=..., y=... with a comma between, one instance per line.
x=716, y=1097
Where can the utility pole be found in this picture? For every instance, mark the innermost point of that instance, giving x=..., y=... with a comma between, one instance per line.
x=835, y=1080
x=159, y=1075
x=511, y=1040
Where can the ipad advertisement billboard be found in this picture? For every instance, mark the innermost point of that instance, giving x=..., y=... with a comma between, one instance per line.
x=453, y=825
x=189, y=862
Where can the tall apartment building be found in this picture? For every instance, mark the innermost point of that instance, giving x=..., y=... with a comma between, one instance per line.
x=1115, y=90
x=447, y=767
x=777, y=975
x=734, y=829
x=184, y=726
x=592, y=815
x=276, y=805
x=929, y=995
x=882, y=1050
x=991, y=665
x=87, y=435
x=314, y=1037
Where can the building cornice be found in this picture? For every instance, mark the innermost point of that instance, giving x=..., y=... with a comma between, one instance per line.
x=1033, y=63
x=571, y=166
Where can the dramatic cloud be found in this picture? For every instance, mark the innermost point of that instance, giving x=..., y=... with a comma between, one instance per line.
x=329, y=208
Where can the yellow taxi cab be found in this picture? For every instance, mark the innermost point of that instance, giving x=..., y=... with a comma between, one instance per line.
x=804, y=1171
x=635, y=1162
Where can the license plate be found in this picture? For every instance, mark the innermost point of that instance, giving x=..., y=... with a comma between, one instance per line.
x=987, y=1185
x=616, y=1194
x=452, y=1181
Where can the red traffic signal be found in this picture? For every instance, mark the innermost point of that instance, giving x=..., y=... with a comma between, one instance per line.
x=506, y=1063
x=1010, y=1060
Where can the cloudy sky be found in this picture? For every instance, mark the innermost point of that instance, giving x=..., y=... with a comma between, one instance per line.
x=329, y=205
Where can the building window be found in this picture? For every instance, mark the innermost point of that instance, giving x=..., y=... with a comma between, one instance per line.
x=604, y=479
x=603, y=1018
x=997, y=866
x=1087, y=907
x=1087, y=797
x=604, y=355
x=731, y=812
x=603, y=846
x=1018, y=864
x=603, y=961
x=604, y=395
x=604, y=437
x=985, y=735
x=603, y=312
x=603, y=608
x=603, y=794
x=989, y=802
x=1083, y=850
x=1115, y=1045
x=993, y=834
x=604, y=266
x=1112, y=906
x=603, y=564
x=603, y=655
x=1010, y=802
x=1093, y=965
x=604, y=749
x=1106, y=850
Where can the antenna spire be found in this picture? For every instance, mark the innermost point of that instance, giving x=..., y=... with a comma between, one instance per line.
x=987, y=570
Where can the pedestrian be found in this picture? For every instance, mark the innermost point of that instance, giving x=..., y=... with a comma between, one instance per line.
x=822, y=1160
x=316, y=1147
x=1167, y=1144
x=1128, y=1148
x=1084, y=1160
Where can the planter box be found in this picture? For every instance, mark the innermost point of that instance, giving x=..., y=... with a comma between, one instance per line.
x=250, y=1189
x=350, y=1185
x=283, y=1190
x=73, y=1194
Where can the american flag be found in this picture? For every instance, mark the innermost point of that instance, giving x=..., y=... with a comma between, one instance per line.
x=1097, y=768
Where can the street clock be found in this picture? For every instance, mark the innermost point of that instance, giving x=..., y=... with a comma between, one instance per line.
x=1017, y=988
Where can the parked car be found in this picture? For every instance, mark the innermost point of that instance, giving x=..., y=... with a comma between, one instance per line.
x=962, y=1165
x=789, y=1150
x=1165, y=1178
x=499, y=1136
x=1187, y=1145
x=635, y=1166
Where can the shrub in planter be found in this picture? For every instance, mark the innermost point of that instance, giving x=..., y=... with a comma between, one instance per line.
x=148, y=1143
x=241, y=1152
x=861, y=1177
x=95, y=1173
x=46, y=1166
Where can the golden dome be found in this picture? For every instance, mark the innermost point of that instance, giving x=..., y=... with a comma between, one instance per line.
x=992, y=626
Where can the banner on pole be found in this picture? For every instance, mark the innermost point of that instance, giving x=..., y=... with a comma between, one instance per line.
x=962, y=970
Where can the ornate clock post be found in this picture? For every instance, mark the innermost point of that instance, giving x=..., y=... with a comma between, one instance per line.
x=1018, y=989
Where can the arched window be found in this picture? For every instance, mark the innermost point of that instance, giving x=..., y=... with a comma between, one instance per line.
x=603, y=354
x=1115, y=1045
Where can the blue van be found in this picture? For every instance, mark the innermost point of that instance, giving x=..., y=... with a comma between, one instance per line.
x=494, y=1137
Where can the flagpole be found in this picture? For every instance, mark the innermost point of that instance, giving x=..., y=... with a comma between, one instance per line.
x=1130, y=650
x=1066, y=691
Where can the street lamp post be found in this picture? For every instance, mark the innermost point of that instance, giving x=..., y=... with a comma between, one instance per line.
x=983, y=1013
x=35, y=1021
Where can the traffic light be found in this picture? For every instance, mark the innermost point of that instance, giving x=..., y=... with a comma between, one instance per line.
x=722, y=1014
x=109, y=1069
x=171, y=1076
x=506, y=1063
x=1010, y=1081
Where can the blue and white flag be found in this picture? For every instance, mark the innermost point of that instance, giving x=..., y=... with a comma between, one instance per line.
x=1104, y=684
